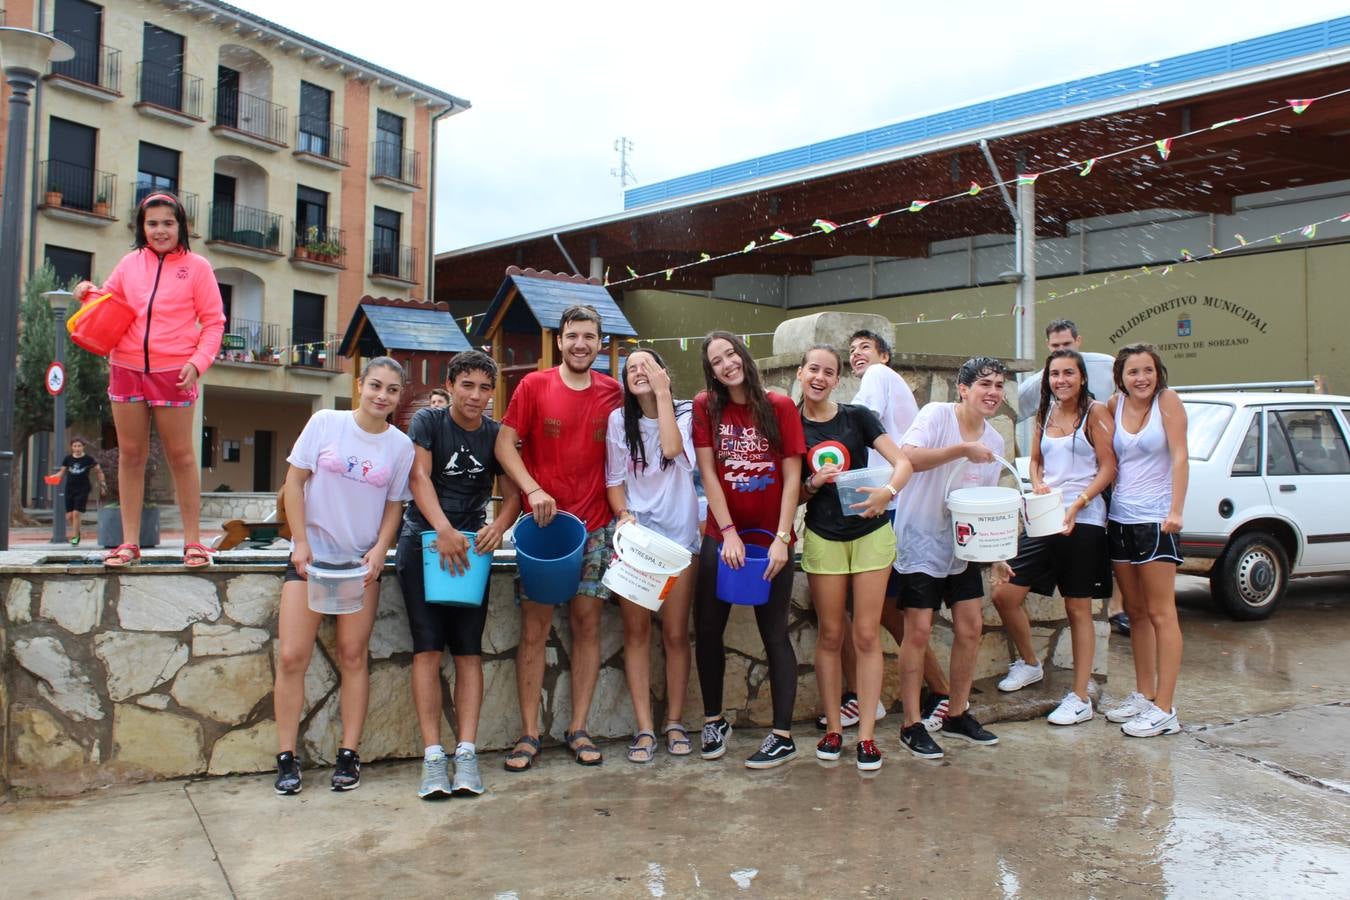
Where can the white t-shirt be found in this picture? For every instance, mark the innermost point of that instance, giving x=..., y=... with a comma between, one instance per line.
x=885, y=392
x=1101, y=382
x=662, y=499
x=923, y=526
x=355, y=473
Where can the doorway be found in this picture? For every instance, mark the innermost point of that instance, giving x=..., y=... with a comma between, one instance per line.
x=263, y=442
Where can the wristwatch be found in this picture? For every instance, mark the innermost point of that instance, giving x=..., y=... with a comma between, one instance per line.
x=891, y=488
x=784, y=537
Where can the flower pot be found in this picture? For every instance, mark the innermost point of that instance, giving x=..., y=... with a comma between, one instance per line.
x=52, y=198
x=302, y=253
x=110, y=526
x=101, y=209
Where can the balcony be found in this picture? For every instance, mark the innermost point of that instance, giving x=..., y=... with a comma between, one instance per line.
x=393, y=264
x=320, y=142
x=96, y=70
x=313, y=353
x=141, y=189
x=393, y=166
x=319, y=249
x=250, y=343
x=168, y=93
x=250, y=120
x=77, y=194
x=243, y=231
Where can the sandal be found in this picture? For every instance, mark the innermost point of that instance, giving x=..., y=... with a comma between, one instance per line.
x=580, y=742
x=122, y=555
x=677, y=746
x=196, y=556
x=638, y=752
x=527, y=755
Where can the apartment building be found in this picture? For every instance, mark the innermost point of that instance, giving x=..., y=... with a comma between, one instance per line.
x=306, y=173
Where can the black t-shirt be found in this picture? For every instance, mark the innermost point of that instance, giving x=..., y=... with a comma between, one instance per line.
x=845, y=440
x=77, y=471
x=462, y=469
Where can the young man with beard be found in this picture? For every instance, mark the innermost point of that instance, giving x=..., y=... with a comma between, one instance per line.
x=559, y=419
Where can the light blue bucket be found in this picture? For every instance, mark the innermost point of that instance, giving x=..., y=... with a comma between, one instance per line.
x=442, y=586
x=549, y=559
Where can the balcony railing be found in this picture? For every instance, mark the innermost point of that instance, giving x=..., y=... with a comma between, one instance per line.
x=72, y=186
x=321, y=137
x=168, y=87
x=254, y=342
x=94, y=63
x=251, y=115
x=142, y=189
x=324, y=245
x=313, y=350
x=391, y=261
x=244, y=226
x=389, y=159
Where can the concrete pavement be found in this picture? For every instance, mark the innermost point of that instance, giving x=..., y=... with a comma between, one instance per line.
x=1253, y=799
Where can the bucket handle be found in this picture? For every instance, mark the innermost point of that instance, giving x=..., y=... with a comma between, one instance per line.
x=750, y=531
x=963, y=462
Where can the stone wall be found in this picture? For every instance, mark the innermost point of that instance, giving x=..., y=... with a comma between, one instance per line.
x=222, y=506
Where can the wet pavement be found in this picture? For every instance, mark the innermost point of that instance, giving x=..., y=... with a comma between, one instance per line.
x=1251, y=800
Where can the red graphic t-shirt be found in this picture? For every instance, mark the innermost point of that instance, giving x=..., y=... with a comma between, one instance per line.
x=562, y=435
x=750, y=473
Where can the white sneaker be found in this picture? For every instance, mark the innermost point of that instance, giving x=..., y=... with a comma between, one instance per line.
x=1134, y=705
x=1152, y=722
x=932, y=722
x=1020, y=674
x=881, y=710
x=1072, y=710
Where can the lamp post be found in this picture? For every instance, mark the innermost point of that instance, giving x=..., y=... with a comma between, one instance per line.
x=24, y=55
x=59, y=302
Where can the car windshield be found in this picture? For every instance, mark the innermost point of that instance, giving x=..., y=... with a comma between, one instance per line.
x=1205, y=423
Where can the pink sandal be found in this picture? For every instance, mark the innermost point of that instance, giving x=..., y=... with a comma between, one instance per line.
x=196, y=556
x=122, y=555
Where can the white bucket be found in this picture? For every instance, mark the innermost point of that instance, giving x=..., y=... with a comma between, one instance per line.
x=1045, y=513
x=336, y=590
x=984, y=519
x=645, y=565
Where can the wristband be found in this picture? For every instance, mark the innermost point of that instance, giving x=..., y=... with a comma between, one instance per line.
x=728, y=528
x=891, y=488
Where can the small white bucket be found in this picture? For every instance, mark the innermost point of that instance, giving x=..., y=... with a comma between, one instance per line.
x=336, y=590
x=1044, y=512
x=849, y=482
x=645, y=565
x=984, y=519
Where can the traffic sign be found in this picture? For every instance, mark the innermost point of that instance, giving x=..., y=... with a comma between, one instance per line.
x=56, y=378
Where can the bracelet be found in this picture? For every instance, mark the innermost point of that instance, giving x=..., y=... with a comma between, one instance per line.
x=528, y=493
x=728, y=528
x=891, y=488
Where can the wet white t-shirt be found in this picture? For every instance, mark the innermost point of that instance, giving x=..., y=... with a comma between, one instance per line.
x=923, y=526
x=885, y=392
x=354, y=474
x=662, y=499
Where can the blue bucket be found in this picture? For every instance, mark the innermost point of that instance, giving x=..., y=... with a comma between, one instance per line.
x=549, y=559
x=745, y=586
x=440, y=585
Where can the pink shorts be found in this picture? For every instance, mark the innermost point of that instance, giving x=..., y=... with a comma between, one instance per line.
x=151, y=388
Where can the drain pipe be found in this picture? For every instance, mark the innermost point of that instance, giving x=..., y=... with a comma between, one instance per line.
x=431, y=224
x=567, y=256
x=36, y=185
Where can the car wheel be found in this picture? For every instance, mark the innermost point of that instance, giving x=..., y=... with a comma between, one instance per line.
x=1249, y=579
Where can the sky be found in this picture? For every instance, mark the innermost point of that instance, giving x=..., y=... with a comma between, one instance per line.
x=699, y=84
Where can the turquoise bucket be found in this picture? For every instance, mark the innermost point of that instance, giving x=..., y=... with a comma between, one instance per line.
x=745, y=586
x=440, y=585
x=549, y=559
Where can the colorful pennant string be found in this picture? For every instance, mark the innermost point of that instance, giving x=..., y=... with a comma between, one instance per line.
x=779, y=235
x=1164, y=147
x=1300, y=106
x=1027, y=178
x=974, y=189
x=918, y=205
x=872, y=221
x=825, y=225
x=1086, y=168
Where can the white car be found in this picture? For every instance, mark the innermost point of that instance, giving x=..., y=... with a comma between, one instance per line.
x=1269, y=493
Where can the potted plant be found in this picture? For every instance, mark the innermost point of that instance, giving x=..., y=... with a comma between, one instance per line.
x=329, y=251
x=322, y=356
x=273, y=236
x=53, y=197
x=110, y=510
x=101, y=204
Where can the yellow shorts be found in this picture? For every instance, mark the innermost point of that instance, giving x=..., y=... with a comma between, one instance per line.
x=821, y=556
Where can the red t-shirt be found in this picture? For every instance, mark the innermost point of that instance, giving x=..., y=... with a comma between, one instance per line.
x=562, y=435
x=750, y=473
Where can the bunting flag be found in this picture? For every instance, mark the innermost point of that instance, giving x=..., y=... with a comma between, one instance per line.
x=1186, y=255
x=872, y=222
x=631, y=271
x=781, y=235
x=1344, y=218
x=1298, y=106
x=825, y=225
x=1086, y=167
x=1308, y=231
x=1164, y=147
x=917, y=205
x=669, y=272
x=1225, y=123
x=748, y=247
x=1027, y=177
x=1242, y=241
x=684, y=343
x=974, y=189
x=704, y=257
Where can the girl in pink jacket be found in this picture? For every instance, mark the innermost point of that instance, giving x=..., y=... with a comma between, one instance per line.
x=154, y=369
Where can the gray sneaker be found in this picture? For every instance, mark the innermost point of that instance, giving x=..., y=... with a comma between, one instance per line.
x=435, y=778
x=467, y=779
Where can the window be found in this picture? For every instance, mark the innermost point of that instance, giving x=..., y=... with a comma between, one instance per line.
x=80, y=25
x=1279, y=458
x=69, y=264
x=1248, y=460
x=384, y=246
x=70, y=162
x=1316, y=442
x=156, y=170
x=1205, y=424
x=311, y=211
x=389, y=145
x=307, y=317
x=227, y=302
x=316, y=120
x=161, y=67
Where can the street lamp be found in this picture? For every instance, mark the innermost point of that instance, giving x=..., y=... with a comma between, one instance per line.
x=24, y=55
x=59, y=301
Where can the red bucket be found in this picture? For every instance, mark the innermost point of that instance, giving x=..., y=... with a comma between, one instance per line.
x=99, y=324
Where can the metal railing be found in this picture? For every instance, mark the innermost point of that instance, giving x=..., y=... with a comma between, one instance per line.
x=393, y=261
x=168, y=87
x=244, y=226
x=248, y=341
x=79, y=187
x=142, y=189
x=94, y=63
x=321, y=137
x=251, y=115
x=326, y=245
x=313, y=350
x=389, y=159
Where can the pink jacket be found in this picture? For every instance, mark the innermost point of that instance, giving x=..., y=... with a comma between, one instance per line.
x=180, y=316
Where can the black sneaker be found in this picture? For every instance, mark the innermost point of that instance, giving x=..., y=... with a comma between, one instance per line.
x=966, y=728
x=830, y=746
x=715, y=736
x=288, y=774
x=918, y=741
x=869, y=757
x=774, y=751
x=347, y=772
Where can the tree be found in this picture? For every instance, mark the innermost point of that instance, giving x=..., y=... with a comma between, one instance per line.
x=86, y=388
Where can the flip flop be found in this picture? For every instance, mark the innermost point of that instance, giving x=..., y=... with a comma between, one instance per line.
x=677, y=746
x=527, y=755
x=642, y=753
x=580, y=742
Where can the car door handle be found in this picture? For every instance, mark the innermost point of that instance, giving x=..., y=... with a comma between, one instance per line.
x=1288, y=488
